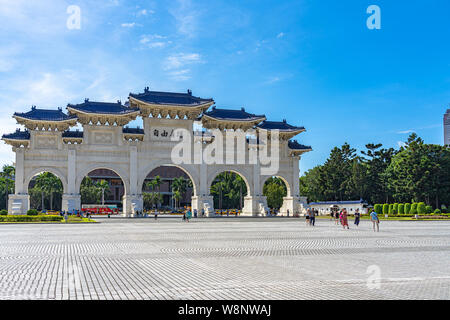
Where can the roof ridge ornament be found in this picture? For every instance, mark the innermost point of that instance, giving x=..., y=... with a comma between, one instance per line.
x=86, y=100
x=189, y=91
x=33, y=107
x=243, y=109
x=146, y=89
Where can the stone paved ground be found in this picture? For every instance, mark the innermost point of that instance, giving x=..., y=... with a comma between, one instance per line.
x=230, y=258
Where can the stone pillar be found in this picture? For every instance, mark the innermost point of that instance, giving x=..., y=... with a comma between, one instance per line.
x=132, y=204
x=19, y=202
x=71, y=202
x=71, y=199
x=205, y=203
x=132, y=200
x=293, y=202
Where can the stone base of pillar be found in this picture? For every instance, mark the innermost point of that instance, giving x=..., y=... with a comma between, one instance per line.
x=18, y=203
x=132, y=204
x=71, y=202
x=254, y=207
x=205, y=203
x=293, y=204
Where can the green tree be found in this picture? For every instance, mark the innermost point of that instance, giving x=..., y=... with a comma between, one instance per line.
x=275, y=190
x=378, y=208
x=103, y=185
x=421, y=208
x=413, y=208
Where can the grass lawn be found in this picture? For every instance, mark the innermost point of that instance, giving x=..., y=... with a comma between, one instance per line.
x=42, y=219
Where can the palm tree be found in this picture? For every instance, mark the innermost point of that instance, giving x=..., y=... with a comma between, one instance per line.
x=103, y=185
x=179, y=186
x=177, y=197
x=8, y=173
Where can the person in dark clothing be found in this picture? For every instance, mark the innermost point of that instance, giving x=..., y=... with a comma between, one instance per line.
x=357, y=217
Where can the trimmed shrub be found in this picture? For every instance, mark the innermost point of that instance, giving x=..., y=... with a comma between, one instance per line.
x=429, y=209
x=401, y=209
x=413, y=209
x=407, y=208
x=391, y=209
x=385, y=208
x=32, y=212
x=421, y=208
x=378, y=208
x=21, y=218
x=444, y=208
x=395, y=209
x=3, y=212
x=437, y=211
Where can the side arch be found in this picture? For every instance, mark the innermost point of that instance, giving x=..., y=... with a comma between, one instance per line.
x=242, y=173
x=191, y=171
x=56, y=171
x=286, y=182
x=119, y=171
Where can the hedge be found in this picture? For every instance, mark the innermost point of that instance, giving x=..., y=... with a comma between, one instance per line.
x=3, y=212
x=378, y=208
x=28, y=218
x=437, y=211
x=413, y=209
x=421, y=208
x=391, y=209
x=395, y=210
x=385, y=208
x=401, y=208
x=32, y=212
x=429, y=209
x=407, y=208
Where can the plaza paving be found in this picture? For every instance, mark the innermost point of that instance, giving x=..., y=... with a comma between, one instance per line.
x=222, y=259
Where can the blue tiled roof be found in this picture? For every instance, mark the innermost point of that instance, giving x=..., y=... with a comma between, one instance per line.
x=170, y=98
x=294, y=145
x=278, y=125
x=102, y=107
x=44, y=115
x=133, y=130
x=338, y=202
x=72, y=134
x=18, y=135
x=233, y=115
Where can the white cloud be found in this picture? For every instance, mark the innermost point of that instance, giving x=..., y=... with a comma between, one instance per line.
x=145, y=12
x=128, y=25
x=280, y=35
x=187, y=17
x=401, y=144
x=180, y=75
x=405, y=131
x=154, y=41
x=180, y=60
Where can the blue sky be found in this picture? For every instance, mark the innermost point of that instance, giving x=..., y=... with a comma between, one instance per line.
x=314, y=63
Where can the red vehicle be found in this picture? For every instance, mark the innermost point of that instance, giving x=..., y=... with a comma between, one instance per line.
x=99, y=209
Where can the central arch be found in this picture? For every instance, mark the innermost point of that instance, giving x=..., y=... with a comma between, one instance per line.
x=218, y=196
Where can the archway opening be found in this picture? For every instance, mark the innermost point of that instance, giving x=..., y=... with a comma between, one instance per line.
x=229, y=189
x=168, y=188
x=45, y=190
x=275, y=189
x=101, y=192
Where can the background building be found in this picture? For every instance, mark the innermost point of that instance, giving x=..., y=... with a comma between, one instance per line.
x=447, y=128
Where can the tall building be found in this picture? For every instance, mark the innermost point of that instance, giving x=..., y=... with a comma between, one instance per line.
x=447, y=128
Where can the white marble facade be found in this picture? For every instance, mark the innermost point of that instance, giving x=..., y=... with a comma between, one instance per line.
x=133, y=155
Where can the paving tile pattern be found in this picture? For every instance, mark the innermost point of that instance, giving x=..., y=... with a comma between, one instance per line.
x=223, y=259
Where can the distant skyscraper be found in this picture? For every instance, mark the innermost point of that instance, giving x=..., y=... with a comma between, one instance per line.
x=447, y=127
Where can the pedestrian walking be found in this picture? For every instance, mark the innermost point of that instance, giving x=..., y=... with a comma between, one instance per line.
x=312, y=217
x=184, y=216
x=308, y=213
x=344, y=219
x=195, y=213
x=357, y=217
x=156, y=214
x=288, y=213
x=188, y=215
x=375, y=220
x=336, y=217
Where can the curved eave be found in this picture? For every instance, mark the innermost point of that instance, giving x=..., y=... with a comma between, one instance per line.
x=73, y=110
x=299, y=151
x=21, y=119
x=202, y=106
x=292, y=131
x=225, y=120
x=16, y=142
